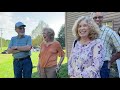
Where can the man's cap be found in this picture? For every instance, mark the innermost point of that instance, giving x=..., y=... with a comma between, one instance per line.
x=19, y=24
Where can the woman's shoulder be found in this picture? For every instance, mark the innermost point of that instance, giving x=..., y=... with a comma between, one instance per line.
x=99, y=42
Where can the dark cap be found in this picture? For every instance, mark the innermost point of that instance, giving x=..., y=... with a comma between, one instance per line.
x=19, y=24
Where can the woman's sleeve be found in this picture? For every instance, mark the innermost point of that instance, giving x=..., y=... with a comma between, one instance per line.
x=98, y=56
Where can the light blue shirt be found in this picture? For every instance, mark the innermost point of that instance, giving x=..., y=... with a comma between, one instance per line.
x=23, y=41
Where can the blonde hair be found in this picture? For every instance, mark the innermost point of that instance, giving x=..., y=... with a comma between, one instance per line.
x=50, y=32
x=94, y=29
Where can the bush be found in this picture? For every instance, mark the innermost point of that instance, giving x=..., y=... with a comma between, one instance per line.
x=63, y=73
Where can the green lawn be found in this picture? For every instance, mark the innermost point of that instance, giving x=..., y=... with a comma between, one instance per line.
x=3, y=48
x=6, y=66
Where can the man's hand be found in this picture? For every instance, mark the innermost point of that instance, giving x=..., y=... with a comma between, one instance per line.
x=14, y=48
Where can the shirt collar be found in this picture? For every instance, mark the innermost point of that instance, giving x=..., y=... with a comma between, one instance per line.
x=21, y=37
x=101, y=28
x=49, y=43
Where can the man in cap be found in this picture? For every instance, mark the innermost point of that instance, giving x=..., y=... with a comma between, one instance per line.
x=20, y=47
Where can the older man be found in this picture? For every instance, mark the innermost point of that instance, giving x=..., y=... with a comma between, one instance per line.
x=111, y=43
x=20, y=47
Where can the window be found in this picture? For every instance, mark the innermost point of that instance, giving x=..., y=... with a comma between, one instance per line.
x=108, y=23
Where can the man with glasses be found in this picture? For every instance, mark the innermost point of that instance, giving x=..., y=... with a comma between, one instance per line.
x=20, y=47
x=111, y=42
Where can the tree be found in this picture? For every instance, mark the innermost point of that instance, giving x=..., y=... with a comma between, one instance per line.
x=4, y=42
x=37, y=41
x=61, y=36
x=36, y=35
x=38, y=30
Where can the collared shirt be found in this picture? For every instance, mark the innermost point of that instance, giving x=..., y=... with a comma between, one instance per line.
x=48, y=54
x=111, y=41
x=23, y=41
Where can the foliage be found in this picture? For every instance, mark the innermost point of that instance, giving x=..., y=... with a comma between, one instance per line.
x=38, y=30
x=37, y=33
x=5, y=43
x=37, y=40
x=61, y=36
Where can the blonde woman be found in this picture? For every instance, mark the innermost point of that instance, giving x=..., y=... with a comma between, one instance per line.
x=87, y=54
x=50, y=50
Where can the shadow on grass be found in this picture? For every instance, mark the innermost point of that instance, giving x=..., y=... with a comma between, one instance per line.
x=63, y=73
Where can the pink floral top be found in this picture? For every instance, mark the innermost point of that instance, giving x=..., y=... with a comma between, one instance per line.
x=86, y=60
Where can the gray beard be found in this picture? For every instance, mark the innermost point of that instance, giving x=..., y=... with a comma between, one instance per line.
x=21, y=34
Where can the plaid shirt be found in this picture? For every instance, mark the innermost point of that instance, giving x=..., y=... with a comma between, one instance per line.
x=111, y=41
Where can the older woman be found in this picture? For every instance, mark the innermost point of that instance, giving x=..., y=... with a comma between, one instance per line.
x=49, y=51
x=87, y=52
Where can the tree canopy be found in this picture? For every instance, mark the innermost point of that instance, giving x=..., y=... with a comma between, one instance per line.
x=61, y=36
x=36, y=35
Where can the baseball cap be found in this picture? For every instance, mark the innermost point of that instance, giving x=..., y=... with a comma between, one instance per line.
x=18, y=24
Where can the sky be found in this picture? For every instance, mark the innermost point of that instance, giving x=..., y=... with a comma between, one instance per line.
x=31, y=19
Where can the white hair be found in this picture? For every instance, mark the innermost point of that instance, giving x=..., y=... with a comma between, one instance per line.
x=50, y=32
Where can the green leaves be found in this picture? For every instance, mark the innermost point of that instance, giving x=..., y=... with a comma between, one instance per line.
x=61, y=36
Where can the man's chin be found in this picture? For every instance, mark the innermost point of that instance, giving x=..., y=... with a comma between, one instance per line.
x=98, y=23
x=22, y=34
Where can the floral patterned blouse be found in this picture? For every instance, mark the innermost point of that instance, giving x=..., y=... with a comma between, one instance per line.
x=86, y=60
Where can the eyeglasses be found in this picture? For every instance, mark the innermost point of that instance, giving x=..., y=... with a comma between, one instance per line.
x=99, y=17
x=21, y=28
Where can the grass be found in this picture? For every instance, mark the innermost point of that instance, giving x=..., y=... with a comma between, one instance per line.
x=6, y=66
x=3, y=48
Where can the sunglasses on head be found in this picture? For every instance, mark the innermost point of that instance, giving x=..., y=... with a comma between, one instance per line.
x=99, y=17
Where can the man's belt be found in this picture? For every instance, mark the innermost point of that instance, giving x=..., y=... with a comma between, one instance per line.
x=21, y=58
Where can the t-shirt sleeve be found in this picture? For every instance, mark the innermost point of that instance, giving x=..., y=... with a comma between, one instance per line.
x=60, y=50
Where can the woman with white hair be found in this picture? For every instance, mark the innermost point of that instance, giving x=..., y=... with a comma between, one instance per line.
x=50, y=50
x=87, y=54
